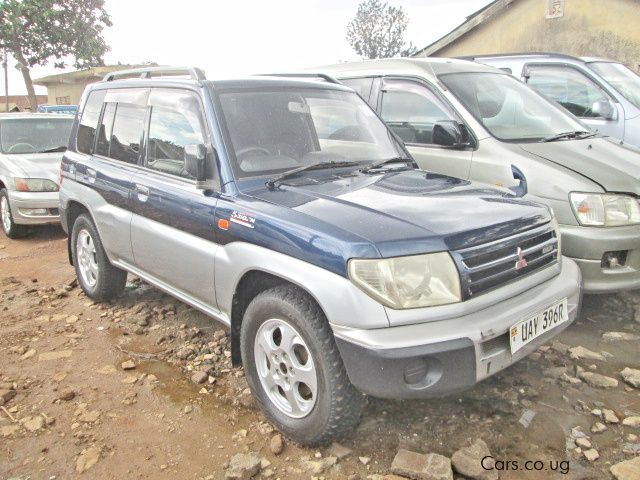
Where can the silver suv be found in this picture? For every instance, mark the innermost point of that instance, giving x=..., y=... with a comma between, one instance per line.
x=477, y=122
x=603, y=94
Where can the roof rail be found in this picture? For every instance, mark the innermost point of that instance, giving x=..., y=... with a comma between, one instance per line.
x=148, y=72
x=517, y=54
x=321, y=76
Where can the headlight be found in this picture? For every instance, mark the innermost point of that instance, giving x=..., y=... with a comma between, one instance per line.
x=35, y=185
x=605, y=210
x=408, y=282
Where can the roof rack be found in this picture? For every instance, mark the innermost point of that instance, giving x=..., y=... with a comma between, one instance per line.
x=148, y=72
x=518, y=54
x=321, y=76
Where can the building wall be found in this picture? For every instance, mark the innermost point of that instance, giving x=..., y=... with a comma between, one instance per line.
x=600, y=28
x=59, y=93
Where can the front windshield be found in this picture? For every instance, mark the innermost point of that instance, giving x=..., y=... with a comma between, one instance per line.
x=621, y=78
x=34, y=135
x=276, y=130
x=509, y=109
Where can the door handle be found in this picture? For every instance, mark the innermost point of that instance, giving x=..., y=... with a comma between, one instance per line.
x=90, y=175
x=142, y=192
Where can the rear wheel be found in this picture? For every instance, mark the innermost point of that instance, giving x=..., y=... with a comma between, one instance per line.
x=294, y=369
x=9, y=227
x=98, y=278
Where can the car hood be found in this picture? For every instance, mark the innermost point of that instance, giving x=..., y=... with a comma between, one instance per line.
x=34, y=165
x=613, y=166
x=411, y=211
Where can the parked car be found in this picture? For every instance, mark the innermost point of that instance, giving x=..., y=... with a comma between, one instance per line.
x=287, y=210
x=31, y=146
x=63, y=109
x=603, y=94
x=477, y=122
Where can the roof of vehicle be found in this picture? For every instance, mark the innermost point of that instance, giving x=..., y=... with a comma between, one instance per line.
x=23, y=115
x=424, y=67
x=547, y=55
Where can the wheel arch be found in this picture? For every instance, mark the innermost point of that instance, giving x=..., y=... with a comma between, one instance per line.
x=72, y=212
x=252, y=283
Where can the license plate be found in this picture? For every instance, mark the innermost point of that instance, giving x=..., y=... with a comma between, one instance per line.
x=527, y=330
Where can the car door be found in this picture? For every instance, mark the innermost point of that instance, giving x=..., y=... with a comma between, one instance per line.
x=172, y=230
x=411, y=109
x=576, y=92
x=109, y=174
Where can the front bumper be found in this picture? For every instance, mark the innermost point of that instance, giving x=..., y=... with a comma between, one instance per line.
x=588, y=245
x=434, y=359
x=34, y=208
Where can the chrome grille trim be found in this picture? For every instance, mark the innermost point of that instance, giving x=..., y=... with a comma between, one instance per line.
x=492, y=265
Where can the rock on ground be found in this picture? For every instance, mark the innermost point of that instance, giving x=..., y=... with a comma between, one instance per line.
x=276, y=445
x=592, y=454
x=627, y=470
x=87, y=459
x=631, y=376
x=243, y=466
x=339, y=451
x=611, y=337
x=466, y=461
x=581, y=352
x=418, y=466
x=632, y=422
x=598, y=381
x=6, y=395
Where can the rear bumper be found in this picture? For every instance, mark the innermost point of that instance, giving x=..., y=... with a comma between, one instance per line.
x=588, y=245
x=438, y=358
x=34, y=208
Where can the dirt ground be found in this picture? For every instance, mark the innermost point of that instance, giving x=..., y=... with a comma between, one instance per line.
x=74, y=408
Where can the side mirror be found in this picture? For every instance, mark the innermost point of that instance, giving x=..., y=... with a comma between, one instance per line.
x=519, y=190
x=449, y=133
x=195, y=161
x=604, y=109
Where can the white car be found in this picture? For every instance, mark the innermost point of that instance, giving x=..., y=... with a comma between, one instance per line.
x=31, y=147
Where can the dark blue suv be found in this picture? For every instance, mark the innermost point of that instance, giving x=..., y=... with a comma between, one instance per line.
x=285, y=209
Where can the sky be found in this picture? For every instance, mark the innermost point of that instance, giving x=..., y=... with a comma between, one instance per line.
x=240, y=37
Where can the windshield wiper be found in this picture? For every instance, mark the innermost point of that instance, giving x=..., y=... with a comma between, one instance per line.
x=386, y=161
x=61, y=148
x=315, y=166
x=575, y=134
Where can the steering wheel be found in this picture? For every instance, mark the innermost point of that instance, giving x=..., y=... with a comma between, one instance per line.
x=21, y=146
x=246, y=150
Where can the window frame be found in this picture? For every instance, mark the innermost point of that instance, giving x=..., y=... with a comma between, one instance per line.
x=473, y=145
x=526, y=68
x=98, y=91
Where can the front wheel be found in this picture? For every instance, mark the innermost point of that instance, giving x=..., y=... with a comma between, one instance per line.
x=294, y=369
x=9, y=227
x=99, y=279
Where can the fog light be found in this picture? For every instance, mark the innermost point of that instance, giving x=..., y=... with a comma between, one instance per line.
x=613, y=260
x=33, y=212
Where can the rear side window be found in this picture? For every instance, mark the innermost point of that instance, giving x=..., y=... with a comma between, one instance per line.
x=89, y=121
x=104, y=132
x=126, y=136
x=175, y=122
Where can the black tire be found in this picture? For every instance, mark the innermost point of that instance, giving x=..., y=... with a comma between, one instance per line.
x=109, y=280
x=338, y=405
x=14, y=230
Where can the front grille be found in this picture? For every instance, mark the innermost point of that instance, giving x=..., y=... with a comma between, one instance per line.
x=493, y=264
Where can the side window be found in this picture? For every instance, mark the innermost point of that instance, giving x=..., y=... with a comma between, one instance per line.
x=411, y=110
x=89, y=121
x=176, y=122
x=568, y=87
x=126, y=135
x=360, y=85
x=104, y=131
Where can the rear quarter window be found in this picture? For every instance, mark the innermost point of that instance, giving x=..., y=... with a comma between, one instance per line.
x=89, y=121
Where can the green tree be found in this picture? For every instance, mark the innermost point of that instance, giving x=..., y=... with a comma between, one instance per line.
x=36, y=31
x=377, y=30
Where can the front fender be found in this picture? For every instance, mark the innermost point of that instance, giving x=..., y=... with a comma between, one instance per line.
x=342, y=302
